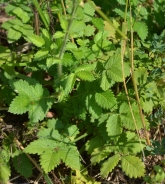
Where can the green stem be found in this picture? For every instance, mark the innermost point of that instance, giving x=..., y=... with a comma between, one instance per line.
x=36, y=4
x=81, y=137
x=62, y=50
x=108, y=20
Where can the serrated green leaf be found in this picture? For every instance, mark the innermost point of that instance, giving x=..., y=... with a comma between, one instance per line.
x=100, y=154
x=127, y=119
x=21, y=14
x=141, y=75
x=15, y=104
x=70, y=156
x=48, y=40
x=105, y=82
x=88, y=11
x=23, y=165
x=85, y=75
x=40, y=146
x=49, y=133
x=6, y=25
x=77, y=28
x=111, y=31
x=58, y=34
x=141, y=29
x=68, y=59
x=55, y=124
x=113, y=125
x=50, y=159
x=72, y=131
x=100, y=36
x=5, y=171
x=105, y=99
x=132, y=144
x=51, y=61
x=114, y=69
x=98, y=23
x=93, y=108
x=36, y=40
x=38, y=109
x=132, y=166
x=93, y=143
x=13, y=33
x=41, y=54
x=86, y=67
x=89, y=30
x=68, y=83
x=36, y=100
x=71, y=46
x=109, y=165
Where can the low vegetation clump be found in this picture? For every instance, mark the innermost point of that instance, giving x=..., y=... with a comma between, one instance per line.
x=82, y=91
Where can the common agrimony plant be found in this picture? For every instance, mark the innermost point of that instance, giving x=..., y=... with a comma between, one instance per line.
x=83, y=59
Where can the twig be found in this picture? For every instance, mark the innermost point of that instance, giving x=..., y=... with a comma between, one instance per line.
x=30, y=158
x=134, y=82
x=123, y=48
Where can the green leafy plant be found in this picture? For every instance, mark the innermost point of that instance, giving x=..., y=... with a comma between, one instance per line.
x=77, y=70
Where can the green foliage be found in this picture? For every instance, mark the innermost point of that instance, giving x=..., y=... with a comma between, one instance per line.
x=109, y=165
x=53, y=147
x=32, y=98
x=132, y=166
x=72, y=69
x=22, y=164
x=5, y=170
x=157, y=175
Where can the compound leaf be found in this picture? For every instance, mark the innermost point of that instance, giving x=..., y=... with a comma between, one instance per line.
x=33, y=99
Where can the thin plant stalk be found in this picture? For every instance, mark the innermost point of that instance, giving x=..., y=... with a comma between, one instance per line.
x=37, y=6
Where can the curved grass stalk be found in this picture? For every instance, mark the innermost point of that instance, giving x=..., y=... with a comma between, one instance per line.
x=134, y=81
x=123, y=48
